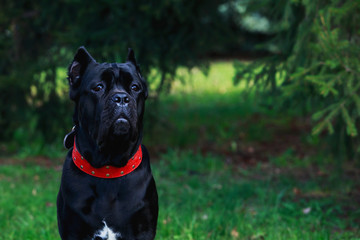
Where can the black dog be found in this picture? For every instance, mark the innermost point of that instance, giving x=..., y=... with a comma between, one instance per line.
x=107, y=190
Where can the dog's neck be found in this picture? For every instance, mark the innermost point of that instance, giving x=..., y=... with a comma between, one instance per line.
x=116, y=156
x=107, y=171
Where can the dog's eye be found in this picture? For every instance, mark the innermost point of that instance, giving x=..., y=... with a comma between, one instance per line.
x=135, y=87
x=98, y=87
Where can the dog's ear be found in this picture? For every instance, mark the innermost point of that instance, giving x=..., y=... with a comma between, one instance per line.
x=131, y=57
x=77, y=68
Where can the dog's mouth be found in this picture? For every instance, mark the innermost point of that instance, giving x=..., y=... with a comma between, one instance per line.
x=119, y=130
x=116, y=128
x=121, y=127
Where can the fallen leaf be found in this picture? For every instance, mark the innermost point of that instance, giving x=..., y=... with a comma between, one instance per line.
x=306, y=210
x=166, y=221
x=234, y=233
x=205, y=217
x=296, y=191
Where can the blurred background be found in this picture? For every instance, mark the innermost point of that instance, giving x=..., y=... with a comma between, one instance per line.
x=253, y=103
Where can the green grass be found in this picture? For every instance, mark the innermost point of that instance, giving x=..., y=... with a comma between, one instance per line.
x=208, y=111
x=201, y=197
x=27, y=202
x=206, y=108
x=226, y=168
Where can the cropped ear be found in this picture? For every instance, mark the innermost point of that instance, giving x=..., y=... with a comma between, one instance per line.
x=131, y=57
x=77, y=68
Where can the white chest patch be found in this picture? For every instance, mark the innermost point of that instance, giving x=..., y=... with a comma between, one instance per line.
x=106, y=234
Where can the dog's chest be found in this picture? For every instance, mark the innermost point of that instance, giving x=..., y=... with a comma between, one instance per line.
x=106, y=233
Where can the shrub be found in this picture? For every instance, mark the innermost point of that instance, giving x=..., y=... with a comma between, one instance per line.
x=315, y=65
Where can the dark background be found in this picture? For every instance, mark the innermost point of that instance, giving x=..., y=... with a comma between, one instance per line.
x=314, y=47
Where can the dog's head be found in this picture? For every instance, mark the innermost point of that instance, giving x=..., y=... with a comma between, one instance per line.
x=109, y=100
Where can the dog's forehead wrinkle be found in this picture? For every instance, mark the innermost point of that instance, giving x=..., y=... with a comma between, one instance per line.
x=122, y=72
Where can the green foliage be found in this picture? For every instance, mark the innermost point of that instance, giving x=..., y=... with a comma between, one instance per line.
x=38, y=38
x=315, y=65
x=165, y=34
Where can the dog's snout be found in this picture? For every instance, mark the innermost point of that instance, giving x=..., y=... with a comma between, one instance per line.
x=121, y=98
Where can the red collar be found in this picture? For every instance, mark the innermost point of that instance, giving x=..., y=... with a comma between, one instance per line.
x=106, y=171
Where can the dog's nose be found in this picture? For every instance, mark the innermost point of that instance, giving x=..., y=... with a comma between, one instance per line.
x=120, y=98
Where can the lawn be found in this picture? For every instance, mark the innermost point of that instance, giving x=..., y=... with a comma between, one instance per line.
x=225, y=167
x=201, y=197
